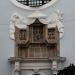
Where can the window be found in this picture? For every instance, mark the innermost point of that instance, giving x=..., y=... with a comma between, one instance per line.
x=33, y=3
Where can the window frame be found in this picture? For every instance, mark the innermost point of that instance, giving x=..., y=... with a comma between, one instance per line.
x=33, y=8
x=33, y=3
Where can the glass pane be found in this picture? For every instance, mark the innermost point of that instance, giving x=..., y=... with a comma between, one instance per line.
x=33, y=3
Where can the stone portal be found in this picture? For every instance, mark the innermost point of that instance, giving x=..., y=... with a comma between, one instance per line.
x=37, y=50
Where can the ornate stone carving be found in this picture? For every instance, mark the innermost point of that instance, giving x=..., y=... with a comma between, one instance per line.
x=51, y=33
x=22, y=35
x=55, y=20
x=37, y=33
x=16, y=20
x=21, y=22
x=34, y=49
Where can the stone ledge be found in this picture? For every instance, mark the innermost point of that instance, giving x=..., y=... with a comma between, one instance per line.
x=58, y=59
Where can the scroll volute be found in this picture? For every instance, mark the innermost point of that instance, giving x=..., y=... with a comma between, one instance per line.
x=21, y=35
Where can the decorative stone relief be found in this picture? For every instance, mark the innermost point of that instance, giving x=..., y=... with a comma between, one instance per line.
x=52, y=21
x=55, y=20
x=16, y=20
x=37, y=33
x=35, y=63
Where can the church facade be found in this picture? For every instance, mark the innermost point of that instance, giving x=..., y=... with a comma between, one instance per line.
x=37, y=37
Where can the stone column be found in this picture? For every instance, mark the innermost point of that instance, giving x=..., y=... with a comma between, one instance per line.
x=17, y=68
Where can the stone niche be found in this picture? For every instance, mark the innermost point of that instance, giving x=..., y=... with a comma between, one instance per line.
x=37, y=50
